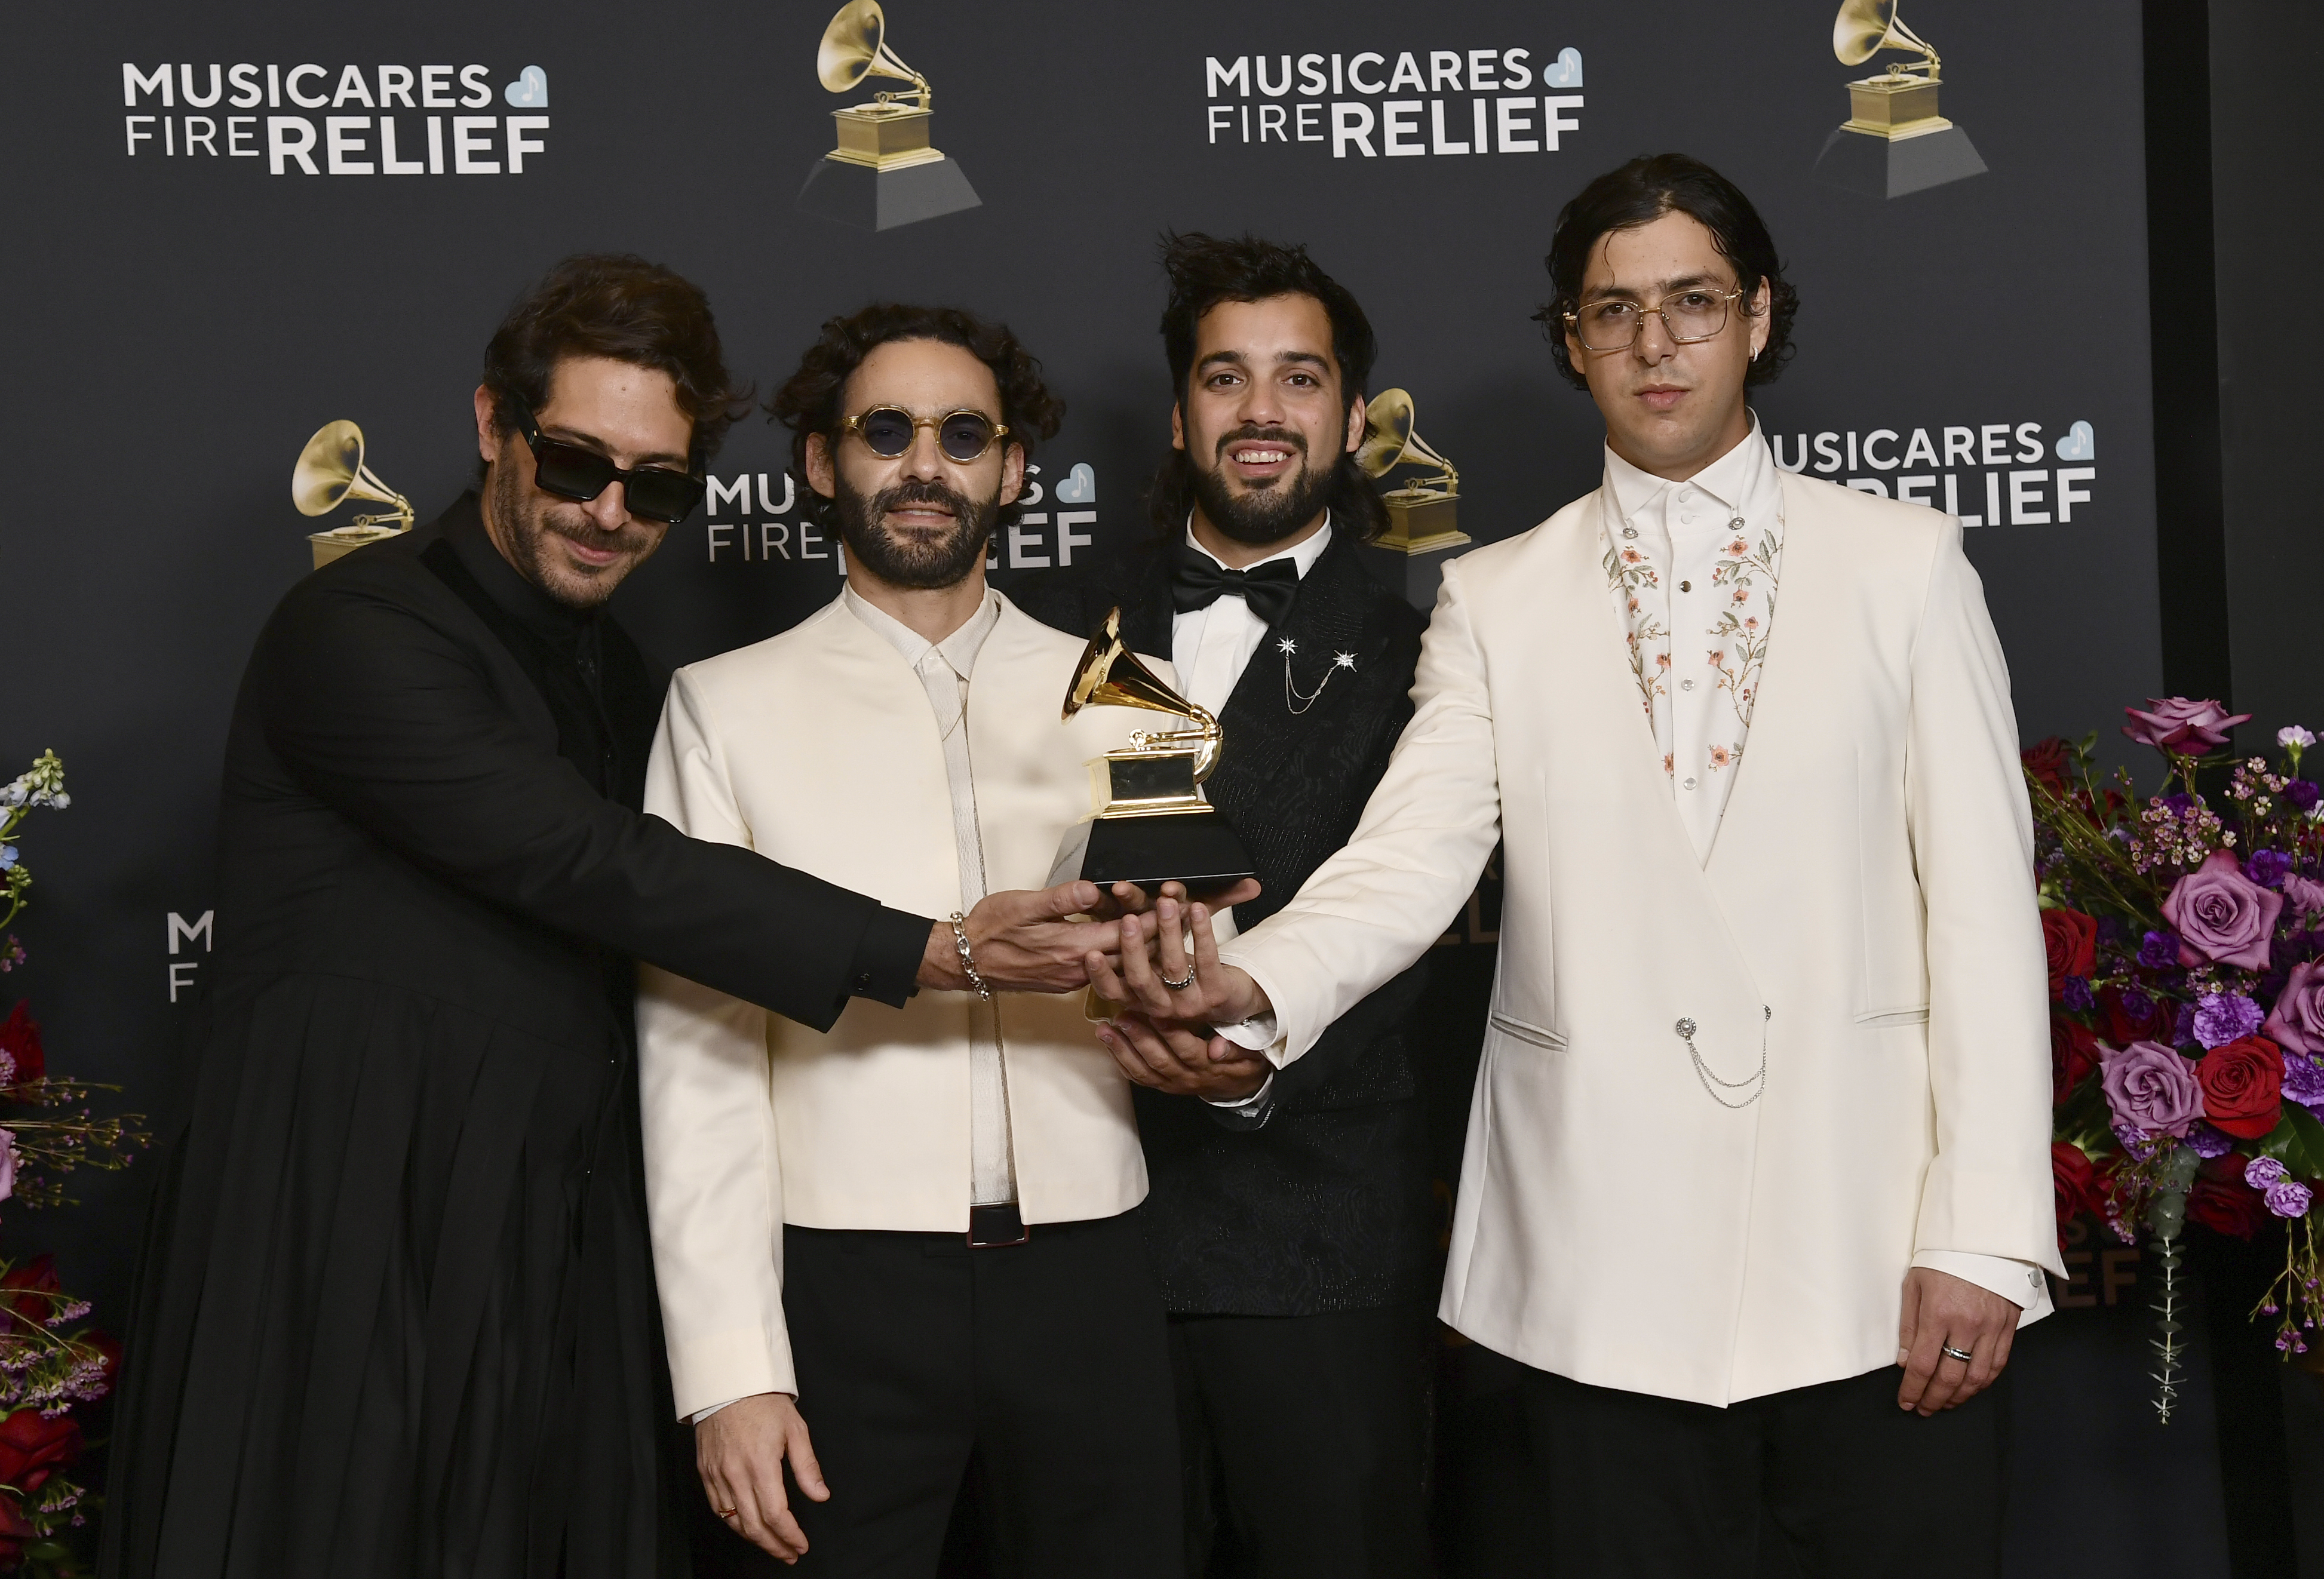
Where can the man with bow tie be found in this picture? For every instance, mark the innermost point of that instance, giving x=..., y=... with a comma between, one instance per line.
x=1290, y=1220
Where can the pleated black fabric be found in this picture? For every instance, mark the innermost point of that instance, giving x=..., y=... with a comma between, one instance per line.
x=396, y=1315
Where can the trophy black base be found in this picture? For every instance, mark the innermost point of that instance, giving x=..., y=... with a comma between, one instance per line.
x=883, y=200
x=1196, y=848
x=1878, y=167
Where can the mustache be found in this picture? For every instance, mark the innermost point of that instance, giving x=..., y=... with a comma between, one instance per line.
x=1287, y=438
x=587, y=533
x=905, y=494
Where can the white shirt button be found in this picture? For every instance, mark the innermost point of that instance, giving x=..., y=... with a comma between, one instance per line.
x=1687, y=519
x=1736, y=524
x=1685, y=496
x=1686, y=684
x=1690, y=783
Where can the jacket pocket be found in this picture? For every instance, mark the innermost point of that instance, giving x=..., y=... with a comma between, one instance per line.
x=1525, y=1032
x=1917, y=1015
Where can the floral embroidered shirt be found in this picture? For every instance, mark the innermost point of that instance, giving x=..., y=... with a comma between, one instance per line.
x=1692, y=567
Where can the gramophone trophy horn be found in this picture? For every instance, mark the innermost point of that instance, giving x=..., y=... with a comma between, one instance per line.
x=1895, y=141
x=1422, y=514
x=887, y=134
x=329, y=472
x=1148, y=823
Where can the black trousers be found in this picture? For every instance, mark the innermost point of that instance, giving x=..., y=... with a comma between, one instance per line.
x=1305, y=1441
x=1819, y=1482
x=1043, y=1363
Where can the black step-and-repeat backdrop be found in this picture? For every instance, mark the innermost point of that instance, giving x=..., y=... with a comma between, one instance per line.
x=233, y=225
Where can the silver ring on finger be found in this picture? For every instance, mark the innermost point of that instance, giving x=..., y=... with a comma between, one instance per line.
x=1963, y=1355
x=1179, y=986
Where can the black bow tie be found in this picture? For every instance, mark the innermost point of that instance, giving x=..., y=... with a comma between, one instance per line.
x=1198, y=581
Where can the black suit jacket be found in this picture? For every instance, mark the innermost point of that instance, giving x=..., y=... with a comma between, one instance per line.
x=1326, y=1205
x=396, y=1311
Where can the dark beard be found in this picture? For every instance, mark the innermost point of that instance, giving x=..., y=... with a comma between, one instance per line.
x=530, y=519
x=1266, y=515
x=903, y=563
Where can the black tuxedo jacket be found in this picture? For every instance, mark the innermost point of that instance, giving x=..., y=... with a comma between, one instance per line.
x=1326, y=1204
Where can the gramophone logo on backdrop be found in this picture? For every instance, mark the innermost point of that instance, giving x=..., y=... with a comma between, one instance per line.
x=1893, y=140
x=884, y=172
x=396, y=134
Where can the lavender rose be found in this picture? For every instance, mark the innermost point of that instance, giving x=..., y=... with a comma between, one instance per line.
x=2150, y=1087
x=2174, y=724
x=2302, y=894
x=2287, y=1198
x=2222, y=915
x=2298, y=1021
x=2221, y=1018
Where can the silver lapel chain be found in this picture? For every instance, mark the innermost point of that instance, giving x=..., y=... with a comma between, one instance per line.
x=1292, y=700
x=1711, y=1083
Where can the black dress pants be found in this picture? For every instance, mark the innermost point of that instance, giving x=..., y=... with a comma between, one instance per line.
x=1818, y=1482
x=1043, y=1362
x=1304, y=1439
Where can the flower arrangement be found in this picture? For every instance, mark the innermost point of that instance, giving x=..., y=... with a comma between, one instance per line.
x=2187, y=1025
x=48, y=1365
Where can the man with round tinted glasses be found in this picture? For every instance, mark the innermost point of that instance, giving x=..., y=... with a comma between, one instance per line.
x=397, y=1314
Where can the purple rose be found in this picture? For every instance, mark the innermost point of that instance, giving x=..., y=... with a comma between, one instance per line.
x=2221, y=1018
x=2287, y=1198
x=2298, y=1022
x=2262, y=1171
x=2207, y=1140
x=2175, y=723
x=2267, y=867
x=2149, y=1086
x=2159, y=950
x=2300, y=794
x=2222, y=915
x=2302, y=894
x=2304, y=1079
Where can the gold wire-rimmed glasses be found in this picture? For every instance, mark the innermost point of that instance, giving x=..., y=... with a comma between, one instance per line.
x=1689, y=317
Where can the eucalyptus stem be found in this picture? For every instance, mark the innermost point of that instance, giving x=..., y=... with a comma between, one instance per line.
x=2168, y=1349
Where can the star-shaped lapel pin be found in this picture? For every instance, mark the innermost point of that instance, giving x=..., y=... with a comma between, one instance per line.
x=1345, y=660
x=1286, y=646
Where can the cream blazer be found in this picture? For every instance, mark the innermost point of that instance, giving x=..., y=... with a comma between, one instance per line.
x=818, y=748
x=1867, y=907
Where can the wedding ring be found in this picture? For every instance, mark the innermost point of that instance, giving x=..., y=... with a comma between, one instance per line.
x=1179, y=986
x=1963, y=1355
x=729, y=1512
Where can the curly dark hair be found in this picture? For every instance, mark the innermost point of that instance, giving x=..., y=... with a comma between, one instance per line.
x=618, y=306
x=1204, y=271
x=809, y=401
x=1639, y=193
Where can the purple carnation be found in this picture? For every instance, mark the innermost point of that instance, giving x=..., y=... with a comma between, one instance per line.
x=2151, y=1087
x=2221, y=1018
x=2134, y=1140
x=2262, y=1171
x=2159, y=951
x=2207, y=1140
x=2179, y=802
x=2267, y=867
x=2076, y=994
x=2304, y=1079
x=2299, y=794
x=2287, y=1198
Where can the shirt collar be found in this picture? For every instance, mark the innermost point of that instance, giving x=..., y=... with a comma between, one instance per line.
x=1301, y=554
x=1728, y=479
x=557, y=624
x=959, y=649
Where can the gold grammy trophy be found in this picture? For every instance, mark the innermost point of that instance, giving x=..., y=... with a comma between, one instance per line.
x=1905, y=144
x=879, y=141
x=331, y=471
x=1150, y=824
x=1422, y=514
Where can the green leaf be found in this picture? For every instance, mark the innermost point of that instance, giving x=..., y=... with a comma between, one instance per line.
x=2303, y=1142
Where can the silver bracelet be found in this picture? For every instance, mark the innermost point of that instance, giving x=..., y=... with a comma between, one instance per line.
x=967, y=965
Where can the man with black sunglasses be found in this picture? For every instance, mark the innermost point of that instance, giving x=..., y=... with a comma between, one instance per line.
x=397, y=1314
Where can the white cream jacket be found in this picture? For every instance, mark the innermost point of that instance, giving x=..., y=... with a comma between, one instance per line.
x=818, y=748
x=1867, y=907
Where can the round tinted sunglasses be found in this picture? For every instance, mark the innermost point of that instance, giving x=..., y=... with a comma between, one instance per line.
x=571, y=472
x=887, y=431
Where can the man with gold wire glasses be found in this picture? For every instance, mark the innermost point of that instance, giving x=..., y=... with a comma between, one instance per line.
x=1762, y=1115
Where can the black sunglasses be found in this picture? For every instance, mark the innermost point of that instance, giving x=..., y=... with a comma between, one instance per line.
x=571, y=472
x=887, y=431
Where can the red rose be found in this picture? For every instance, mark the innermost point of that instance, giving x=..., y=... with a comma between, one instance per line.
x=20, y=1039
x=2073, y=1053
x=2221, y=1201
x=2045, y=759
x=21, y=1290
x=2140, y=1018
x=31, y=1448
x=2243, y=1087
x=2071, y=940
x=2075, y=1181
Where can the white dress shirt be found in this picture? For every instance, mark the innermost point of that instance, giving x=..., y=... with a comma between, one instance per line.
x=1210, y=647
